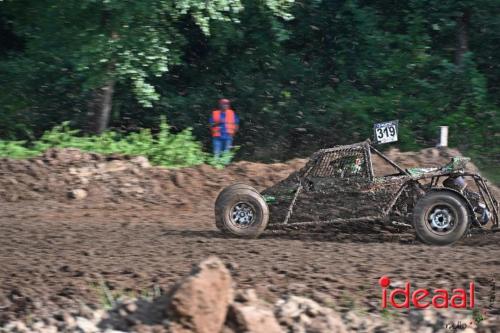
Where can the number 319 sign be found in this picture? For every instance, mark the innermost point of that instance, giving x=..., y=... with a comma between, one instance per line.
x=386, y=132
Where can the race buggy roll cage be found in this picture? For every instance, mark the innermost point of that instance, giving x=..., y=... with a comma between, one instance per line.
x=332, y=162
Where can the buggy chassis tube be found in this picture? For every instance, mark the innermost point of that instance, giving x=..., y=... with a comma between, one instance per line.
x=492, y=203
x=283, y=226
x=389, y=161
x=286, y=225
x=485, y=194
x=367, y=153
x=290, y=209
x=296, y=195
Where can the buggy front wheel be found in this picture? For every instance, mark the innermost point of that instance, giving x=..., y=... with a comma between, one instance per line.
x=241, y=211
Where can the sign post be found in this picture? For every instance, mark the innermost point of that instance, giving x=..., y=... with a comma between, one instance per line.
x=443, y=136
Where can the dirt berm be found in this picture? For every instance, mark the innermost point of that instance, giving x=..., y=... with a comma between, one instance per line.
x=59, y=172
x=65, y=174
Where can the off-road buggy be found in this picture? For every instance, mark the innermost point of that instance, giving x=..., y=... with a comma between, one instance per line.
x=340, y=185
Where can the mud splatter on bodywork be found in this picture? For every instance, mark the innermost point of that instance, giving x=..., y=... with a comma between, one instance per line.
x=339, y=184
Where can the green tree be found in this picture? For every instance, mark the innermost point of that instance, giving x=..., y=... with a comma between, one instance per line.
x=103, y=42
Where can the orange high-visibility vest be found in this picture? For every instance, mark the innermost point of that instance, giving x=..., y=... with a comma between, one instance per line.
x=229, y=121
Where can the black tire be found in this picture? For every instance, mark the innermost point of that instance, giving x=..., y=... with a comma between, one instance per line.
x=441, y=218
x=218, y=222
x=240, y=197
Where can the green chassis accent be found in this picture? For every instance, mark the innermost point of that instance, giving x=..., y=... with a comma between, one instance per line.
x=269, y=199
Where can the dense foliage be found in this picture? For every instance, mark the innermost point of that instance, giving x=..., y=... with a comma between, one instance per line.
x=162, y=148
x=301, y=74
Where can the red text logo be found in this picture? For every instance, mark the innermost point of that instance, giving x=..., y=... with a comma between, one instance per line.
x=422, y=298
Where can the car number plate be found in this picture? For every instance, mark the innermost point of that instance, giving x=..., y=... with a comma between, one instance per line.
x=386, y=132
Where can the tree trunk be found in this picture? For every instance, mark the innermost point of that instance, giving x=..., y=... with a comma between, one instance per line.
x=102, y=98
x=462, y=37
x=100, y=108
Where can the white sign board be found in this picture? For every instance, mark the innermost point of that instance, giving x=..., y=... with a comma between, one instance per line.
x=386, y=132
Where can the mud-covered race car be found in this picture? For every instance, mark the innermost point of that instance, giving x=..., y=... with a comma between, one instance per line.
x=340, y=185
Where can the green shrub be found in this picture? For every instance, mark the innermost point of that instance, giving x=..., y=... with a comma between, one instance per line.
x=16, y=149
x=165, y=148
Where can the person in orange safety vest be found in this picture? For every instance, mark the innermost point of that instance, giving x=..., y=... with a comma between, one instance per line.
x=224, y=124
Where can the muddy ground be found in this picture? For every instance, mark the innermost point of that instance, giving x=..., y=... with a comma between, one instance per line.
x=55, y=250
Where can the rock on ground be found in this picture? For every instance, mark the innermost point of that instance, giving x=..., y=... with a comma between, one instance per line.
x=77, y=194
x=303, y=315
x=251, y=315
x=199, y=303
x=253, y=319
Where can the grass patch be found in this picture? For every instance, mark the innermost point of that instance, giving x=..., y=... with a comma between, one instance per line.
x=109, y=298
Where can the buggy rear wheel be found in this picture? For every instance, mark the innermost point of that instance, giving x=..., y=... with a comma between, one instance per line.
x=440, y=218
x=241, y=211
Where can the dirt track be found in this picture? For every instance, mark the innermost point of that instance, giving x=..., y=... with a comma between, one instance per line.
x=54, y=250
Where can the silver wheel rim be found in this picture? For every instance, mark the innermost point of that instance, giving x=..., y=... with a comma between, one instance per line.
x=242, y=215
x=442, y=219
